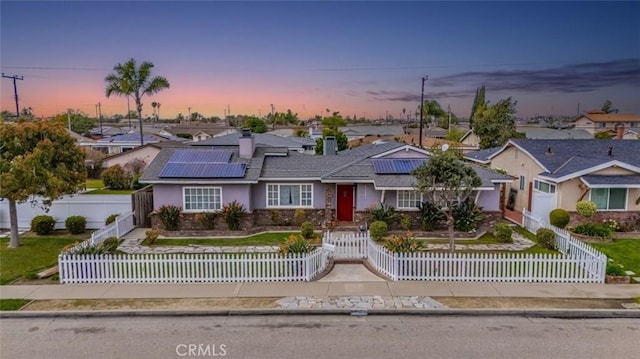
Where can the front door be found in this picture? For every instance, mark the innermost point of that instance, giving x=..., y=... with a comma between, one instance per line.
x=345, y=203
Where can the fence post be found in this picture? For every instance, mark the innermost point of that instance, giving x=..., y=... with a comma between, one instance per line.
x=118, y=227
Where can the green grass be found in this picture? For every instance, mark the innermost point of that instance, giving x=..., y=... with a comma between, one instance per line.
x=264, y=239
x=486, y=238
x=12, y=304
x=110, y=191
x=34, y=254
x=94, y=183
x=624, y=251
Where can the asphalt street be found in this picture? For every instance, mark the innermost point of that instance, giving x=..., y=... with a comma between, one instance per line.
x=318, y=337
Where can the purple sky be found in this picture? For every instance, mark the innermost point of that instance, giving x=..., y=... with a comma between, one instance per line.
x=354, y=57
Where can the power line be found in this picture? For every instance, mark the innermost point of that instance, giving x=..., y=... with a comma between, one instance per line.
x=15, y=90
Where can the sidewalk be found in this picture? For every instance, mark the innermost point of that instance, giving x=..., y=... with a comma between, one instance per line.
x=319, y=289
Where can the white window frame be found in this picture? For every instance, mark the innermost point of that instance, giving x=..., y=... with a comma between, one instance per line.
x=552, y=187
x=269, y=190
x=184, y=199
x=418, y=199
x=522, y=183
x=626, y=197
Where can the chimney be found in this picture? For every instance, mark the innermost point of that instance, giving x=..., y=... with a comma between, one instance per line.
x=247, y=143
x=619, y=131
x=610, y=152
x=330, y=147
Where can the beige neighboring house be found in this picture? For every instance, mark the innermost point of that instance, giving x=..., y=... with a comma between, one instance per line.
x=196, y=133
x=145, y=153
x=470, y=139
x=558, y=173
x=598, y=121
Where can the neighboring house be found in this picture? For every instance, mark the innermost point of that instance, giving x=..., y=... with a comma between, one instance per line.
x=598, y=121
x=263, y=179
x=120, y=143
x=263, y=140
x=559, y=173
x=356, y=132
x=411, y=139
x=145, y=153
x=107, y=131
x=470, y=139
x=196, y=133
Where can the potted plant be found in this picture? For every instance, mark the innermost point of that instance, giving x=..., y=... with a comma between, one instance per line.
x=615, y=275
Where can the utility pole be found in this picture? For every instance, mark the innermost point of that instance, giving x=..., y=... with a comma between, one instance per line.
x=273, y=118
x=100, y=117
x=15, y=90
x=128, y=112
x=449, y=113
x=424, y=78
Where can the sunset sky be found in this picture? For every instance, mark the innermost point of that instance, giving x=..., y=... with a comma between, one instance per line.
x=358, y=58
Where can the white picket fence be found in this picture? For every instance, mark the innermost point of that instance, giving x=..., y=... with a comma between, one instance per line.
x=191, y=267
x=121, y=226
x=577, y=265
x=348, y=246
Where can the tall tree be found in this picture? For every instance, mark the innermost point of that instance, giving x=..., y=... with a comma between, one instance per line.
x=495, y=124
x=81, y=123
x=128, y=79
x=606, y=107
x=38, y=159
x=446, y=180
x=333, y=122
x=432, y=110
x=256, y=125
x=479, y=103
x=341, y=140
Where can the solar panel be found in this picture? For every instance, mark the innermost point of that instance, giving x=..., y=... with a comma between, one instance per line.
x=203, y=170
x=396, y=165
x=196, y=156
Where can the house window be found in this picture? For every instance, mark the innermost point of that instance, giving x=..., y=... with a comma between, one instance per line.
x=289, y=195
x=634, y=124
x=602, y=124
x=544, y=186
x=408, y=200
x=609, y=198
x=522, y=183
x=202, y=199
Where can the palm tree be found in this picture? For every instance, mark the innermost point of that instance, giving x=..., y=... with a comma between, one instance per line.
x=129, y=79
x=154, y=105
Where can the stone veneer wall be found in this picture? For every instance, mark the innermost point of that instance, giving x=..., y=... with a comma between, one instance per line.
x=262, y=217
x=329, y=194
x=619, y=216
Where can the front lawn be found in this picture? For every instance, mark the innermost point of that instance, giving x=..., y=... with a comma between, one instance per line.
x=12, y=304
x=110, y=191
x=35, y=253
x=94, y=183
x=624, y=251
x=263, y=239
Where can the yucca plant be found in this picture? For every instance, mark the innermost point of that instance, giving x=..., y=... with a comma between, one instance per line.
x=170, y=216
x=430, y=215
x=232, y=214
x=296, y=244
x=403, y=243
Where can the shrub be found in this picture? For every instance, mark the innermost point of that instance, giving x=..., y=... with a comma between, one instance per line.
x=615, y=270
x=612, y=224
x=206, y=220
x=378, y=230
x=593, y=230
x=296, y=244
x=151, y=236
x=111, y=219
x=43, y=224
x=559, y=217
x=466, y=216
x=546, y=238
x=170, y=216
x=76, y=224
x=276, y=217
x=405, y=222
x=299, y=216
x=110, y=245
x=403, y=243
x=503, y=233
x=232, y=214
x=115, y=177
x=430, y=215
x=306, y=229
x=383, y=212
x=586, y=209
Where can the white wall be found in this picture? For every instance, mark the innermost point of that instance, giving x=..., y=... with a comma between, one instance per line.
x=95, y=208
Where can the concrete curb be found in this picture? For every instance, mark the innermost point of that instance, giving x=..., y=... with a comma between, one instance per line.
x=526, y=313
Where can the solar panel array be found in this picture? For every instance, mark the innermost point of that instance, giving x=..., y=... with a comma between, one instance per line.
x=396, y=165
x=202, y=164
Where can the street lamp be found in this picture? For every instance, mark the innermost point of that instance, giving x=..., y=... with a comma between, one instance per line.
x=425, y=78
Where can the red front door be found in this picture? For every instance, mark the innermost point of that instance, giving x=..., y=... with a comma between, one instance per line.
x=345, y=203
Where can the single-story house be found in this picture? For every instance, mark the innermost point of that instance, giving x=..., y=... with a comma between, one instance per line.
x=355, y=132
x=119, y=143
x=145, y=153
x=338, y=186
x=559, y=173
x=263, y=140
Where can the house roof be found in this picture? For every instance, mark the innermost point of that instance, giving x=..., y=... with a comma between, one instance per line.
x=563, y=159
x=595, y=181
x=599, y=116
x=371, y=130
x=353, y=165
x=261, y=140
x=541, y=133
x=133, y=138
